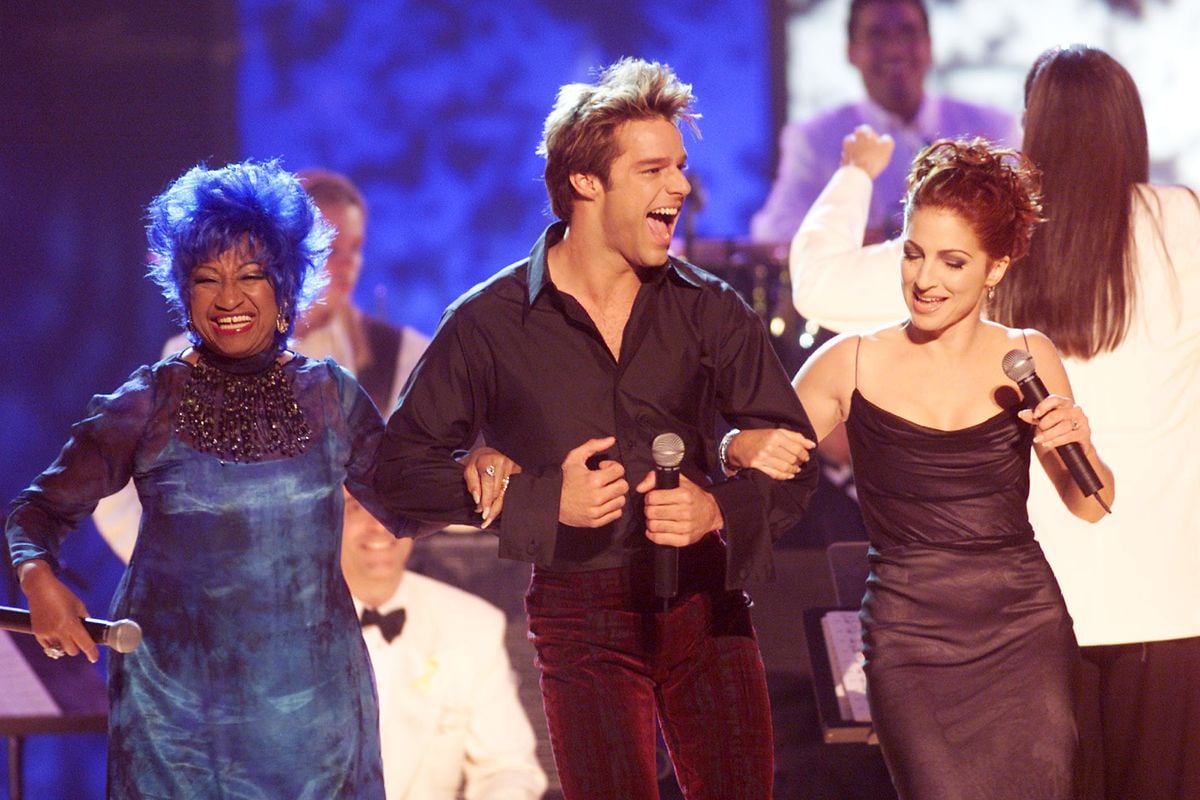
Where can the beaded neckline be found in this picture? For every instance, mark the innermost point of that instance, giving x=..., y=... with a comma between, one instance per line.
x=242, y=409
x=259, y=362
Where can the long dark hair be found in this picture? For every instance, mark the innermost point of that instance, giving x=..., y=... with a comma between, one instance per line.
x=1085, y=129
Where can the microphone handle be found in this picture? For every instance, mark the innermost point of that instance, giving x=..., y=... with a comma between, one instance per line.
x=666, y=558
x=1071, y=453
x=19, y=621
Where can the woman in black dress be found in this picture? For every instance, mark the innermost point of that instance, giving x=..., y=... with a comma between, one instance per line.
x=971, y=657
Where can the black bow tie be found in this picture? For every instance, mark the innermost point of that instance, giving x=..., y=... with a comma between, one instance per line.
x=390, y=624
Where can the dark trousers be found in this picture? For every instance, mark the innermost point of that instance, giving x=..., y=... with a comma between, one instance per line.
x=610, y=665
x=1140, y=721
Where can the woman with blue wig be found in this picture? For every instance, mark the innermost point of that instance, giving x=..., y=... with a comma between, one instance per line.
x=252, y=679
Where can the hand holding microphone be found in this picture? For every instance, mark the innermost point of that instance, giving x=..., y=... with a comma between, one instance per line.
x=1019, y=367
x=667, y=451
x=124, y=635
x=678, y=512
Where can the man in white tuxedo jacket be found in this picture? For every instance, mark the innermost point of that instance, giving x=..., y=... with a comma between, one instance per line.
x=451, y=722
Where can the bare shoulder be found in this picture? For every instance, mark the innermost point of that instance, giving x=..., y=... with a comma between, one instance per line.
x=851, y=346
x=833, y=353
x=835, y=362
x=1039, y=345
x=1028, y=339
x=1046, y=359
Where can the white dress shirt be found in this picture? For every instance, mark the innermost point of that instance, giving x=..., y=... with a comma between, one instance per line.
x=448, y=706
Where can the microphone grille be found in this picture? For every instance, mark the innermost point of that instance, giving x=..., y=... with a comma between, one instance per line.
x=1017, y=365
x=667, y=450
x=124, y=636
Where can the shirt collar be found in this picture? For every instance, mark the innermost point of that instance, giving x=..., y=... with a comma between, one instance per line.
x=539, y=269
x=925, y=123
x=399, y=599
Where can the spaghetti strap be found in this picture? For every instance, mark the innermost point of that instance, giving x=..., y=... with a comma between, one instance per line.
x=1024, y=335
x=857, y=348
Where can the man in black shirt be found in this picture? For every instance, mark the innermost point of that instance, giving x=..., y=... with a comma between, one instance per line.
x=570, y=363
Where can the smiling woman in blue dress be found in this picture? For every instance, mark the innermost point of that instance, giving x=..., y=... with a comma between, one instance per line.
x=252, y=679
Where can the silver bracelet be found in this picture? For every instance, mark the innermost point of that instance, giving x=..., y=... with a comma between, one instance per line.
x=723, y=453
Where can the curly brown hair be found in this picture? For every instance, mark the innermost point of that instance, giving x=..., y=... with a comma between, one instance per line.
x=996, y=190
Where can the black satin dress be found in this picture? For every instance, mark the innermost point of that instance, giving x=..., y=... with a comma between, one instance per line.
x=971, y=658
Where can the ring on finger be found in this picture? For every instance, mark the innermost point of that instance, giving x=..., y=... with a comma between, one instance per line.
x=1074, y=424
x=490, y=470
x=54, y=652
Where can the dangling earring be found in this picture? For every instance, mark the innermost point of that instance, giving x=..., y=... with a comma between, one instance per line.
x=281, y=323
x=991, y=292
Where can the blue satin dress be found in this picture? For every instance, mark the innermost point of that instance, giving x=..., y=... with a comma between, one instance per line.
x=252, y=680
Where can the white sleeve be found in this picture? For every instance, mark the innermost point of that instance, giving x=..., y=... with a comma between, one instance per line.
x=836, y=281
x=501, y=749
x=118, y=516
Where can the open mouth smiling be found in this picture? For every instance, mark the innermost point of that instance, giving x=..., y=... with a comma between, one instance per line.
x=234, y=323
x=924, y=303
x=662, y=221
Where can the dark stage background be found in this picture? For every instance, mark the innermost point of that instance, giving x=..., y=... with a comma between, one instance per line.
x=434, y=108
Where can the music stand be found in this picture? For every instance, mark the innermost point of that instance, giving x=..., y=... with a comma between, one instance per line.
x=74, y=685
x=836, y=725
x=848, y=567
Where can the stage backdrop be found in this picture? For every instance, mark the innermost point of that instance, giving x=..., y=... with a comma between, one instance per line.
x=435, y=111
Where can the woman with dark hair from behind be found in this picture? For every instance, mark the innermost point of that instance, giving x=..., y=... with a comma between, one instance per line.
x=1113, y=278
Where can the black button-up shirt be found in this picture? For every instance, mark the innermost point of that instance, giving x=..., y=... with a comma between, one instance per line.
x=523, y=364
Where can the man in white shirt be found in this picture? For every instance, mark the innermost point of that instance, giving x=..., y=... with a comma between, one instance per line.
x=449, y=713
x=889, y=44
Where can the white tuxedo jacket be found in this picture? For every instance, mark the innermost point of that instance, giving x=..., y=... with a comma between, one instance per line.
x=449, y=713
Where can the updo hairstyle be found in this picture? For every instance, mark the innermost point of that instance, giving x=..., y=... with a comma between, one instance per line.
x=996, y=190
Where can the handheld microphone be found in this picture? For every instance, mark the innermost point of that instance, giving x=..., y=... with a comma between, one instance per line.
x=124, y=635
x=1018, y=366
x=667, y=451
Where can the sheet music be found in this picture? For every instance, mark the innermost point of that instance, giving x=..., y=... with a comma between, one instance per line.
x=843, y=644
x=23, y=695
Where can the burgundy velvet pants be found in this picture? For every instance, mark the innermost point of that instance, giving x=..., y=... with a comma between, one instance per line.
x=610, y=665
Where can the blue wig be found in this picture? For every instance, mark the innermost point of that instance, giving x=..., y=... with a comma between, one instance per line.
x=251, y=204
